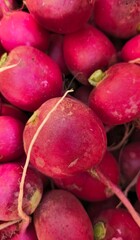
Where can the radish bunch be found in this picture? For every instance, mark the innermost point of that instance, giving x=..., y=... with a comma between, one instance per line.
x=69, y=120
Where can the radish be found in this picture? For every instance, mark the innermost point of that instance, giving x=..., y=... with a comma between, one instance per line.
x=83, y=52
x=116, y=98
x=131, y=49
x=10, y=110
x=130, y=162
x=118, y=18
x=72, y=140
x=60, y=215
x=61, y=16
x=55, y=51
x=115, y=224
x=10, y=174
x=11, y=142
x=34, y=79
x=19, y=28
x=88, y=188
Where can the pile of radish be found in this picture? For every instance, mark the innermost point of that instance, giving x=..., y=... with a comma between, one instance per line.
x=69, y=120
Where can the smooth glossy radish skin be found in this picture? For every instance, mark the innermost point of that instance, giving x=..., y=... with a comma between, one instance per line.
x=72, y=140
x=116, y=98
x=84, y=186
x=61, y=16
x=118, y=18
x=60, y=215
x=131, y=49
x=130, y=162
x=11, y=138
x=83, y=52
x=34, y=79
x=9, y=181
x=115, y=224
x=20, y=28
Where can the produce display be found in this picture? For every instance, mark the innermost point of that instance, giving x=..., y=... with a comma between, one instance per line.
x=70, y=120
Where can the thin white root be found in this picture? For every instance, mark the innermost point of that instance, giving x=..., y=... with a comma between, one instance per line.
x=2, y=69
x=21, y=213
x=7, y=224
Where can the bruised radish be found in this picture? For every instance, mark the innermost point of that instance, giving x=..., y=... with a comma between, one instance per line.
x=131, y=49
x=61, y=16
x=10, y=175
x=116, y=98
x=55, y=51
x=60, y=215
x=10, y=110
x=34, y=79
x=11, y=141
x=84, y=186
x=119, y=18
x=72, y=140
x=87, y=50
x=19, y=28
x=115, y=224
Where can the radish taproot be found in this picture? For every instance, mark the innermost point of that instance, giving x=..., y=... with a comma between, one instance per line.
x=34, y=79
x=61, y=16
x=83, y=52
x=10, y=175
x=72, y=140
x=60, y=215
x=116, y=98
x=19, y=28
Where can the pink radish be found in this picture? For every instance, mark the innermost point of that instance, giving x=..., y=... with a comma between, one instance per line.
x=119, y=18
x=116, y=98
x=83, y=52
x=11, y=138
x=34, y=79
x=131, y=49
x=9, y=181
x=60, y=215
x=19, y=28
x=61, y=16
x=72, y=140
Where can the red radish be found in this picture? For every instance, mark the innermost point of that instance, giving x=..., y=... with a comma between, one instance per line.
x=82, y=93
x=55, y=51
x=10, y=110
x=34, y=79
x=10, y=174
x=11, y=142
x=115, y=224
x=61, y=16
x=72, y=140
x=118, y=17
x=130, y=162
x=83, y=52
x=88, y=188
x=19, y=28
x=28, y=234
x=60, y=215
x=131, y=49
x=138, y=188
x=116, y=99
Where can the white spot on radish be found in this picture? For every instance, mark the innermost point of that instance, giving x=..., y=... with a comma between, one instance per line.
x=74, y=186
x=116, y=114
x=56, y=170
x=40, y=162
x=132, y=107
x=44, y=83
x=117, y=238
x=73, y=163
